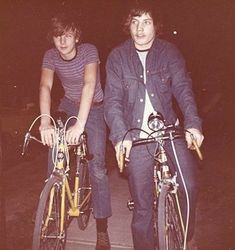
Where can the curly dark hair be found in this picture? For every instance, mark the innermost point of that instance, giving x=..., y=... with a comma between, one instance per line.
x=139, y=8
x=62, y=23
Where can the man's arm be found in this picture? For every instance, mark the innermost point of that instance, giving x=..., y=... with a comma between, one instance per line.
x=114, y=108
x=182, y=90
x=114, y=105
x=88, y=91
x=46, y=129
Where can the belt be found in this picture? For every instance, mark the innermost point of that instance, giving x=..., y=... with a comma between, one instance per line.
x=93, y=104
x=97, y=104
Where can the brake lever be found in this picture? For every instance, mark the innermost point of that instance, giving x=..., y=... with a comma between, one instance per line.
x=122, y=158
x=199, y=153
x=27, y=138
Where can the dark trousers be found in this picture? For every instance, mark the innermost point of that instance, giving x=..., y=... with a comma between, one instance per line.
x=140, y=173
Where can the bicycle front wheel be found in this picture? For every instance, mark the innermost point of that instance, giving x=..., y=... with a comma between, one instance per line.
x=47, y=233
x=84, y=195
x=170, y=228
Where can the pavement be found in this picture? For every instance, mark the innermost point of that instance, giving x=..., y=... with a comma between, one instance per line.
x=119, y=225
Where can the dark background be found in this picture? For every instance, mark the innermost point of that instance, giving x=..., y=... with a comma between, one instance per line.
x=205, y=35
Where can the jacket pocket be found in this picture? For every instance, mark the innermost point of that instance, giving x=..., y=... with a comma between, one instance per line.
x=162, y=79
x=130, y=86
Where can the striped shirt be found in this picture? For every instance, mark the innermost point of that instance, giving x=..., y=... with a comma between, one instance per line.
x=71, y=72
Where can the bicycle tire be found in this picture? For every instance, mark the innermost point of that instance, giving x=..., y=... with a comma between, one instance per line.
x=170, y=232
x=48, y=236
x=84, y=189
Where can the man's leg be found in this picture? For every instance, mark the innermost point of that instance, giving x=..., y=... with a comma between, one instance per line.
x=96, y=130
x=140, y=176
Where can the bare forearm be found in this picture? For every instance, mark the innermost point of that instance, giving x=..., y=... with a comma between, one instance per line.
x=45, y=101
x=85, y=103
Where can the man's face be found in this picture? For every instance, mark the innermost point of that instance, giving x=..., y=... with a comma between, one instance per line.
x=142, y=31
x=66, y=44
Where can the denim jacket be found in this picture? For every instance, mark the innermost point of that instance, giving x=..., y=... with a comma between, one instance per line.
x=166, y=79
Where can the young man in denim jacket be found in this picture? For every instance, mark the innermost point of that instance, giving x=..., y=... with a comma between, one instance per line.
x=144, y=74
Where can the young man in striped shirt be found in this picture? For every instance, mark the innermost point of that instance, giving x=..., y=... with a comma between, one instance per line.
x=77, y=66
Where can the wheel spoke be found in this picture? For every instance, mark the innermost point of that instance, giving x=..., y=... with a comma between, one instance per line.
x=170, y=233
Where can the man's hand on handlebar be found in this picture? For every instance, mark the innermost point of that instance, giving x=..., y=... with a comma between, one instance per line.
x=196, y=135
x=120, y=147
x=74, y=132
x=47, y=132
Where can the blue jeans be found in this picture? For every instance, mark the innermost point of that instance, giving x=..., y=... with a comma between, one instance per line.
x=140, y=176
x=96, y=139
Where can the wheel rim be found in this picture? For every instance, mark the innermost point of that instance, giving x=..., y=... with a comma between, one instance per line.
x=174, y=235
x=50, y=233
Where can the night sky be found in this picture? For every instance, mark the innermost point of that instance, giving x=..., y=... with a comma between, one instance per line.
x=205, y=35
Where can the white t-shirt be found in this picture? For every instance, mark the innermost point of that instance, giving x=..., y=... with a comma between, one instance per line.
x=148, y=107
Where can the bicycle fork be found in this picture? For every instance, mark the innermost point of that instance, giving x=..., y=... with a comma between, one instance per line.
x=165, y=178
x=50, y=212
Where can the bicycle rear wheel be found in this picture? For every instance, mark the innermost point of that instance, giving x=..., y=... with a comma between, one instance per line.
x=84, y=195
x=47, y=233
x=170, y=231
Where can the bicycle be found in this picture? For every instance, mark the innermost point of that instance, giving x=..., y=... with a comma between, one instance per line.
x=59, y=202
x=169, y=226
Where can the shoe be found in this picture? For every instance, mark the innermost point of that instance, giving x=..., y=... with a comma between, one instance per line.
x=192, y=245
x=102, y=242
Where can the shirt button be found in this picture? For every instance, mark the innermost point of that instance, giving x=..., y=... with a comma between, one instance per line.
x=141, y=76
x=147, y=71
x=152, y=94
x=141, y=100
x=138, y=120
x=134, y=138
